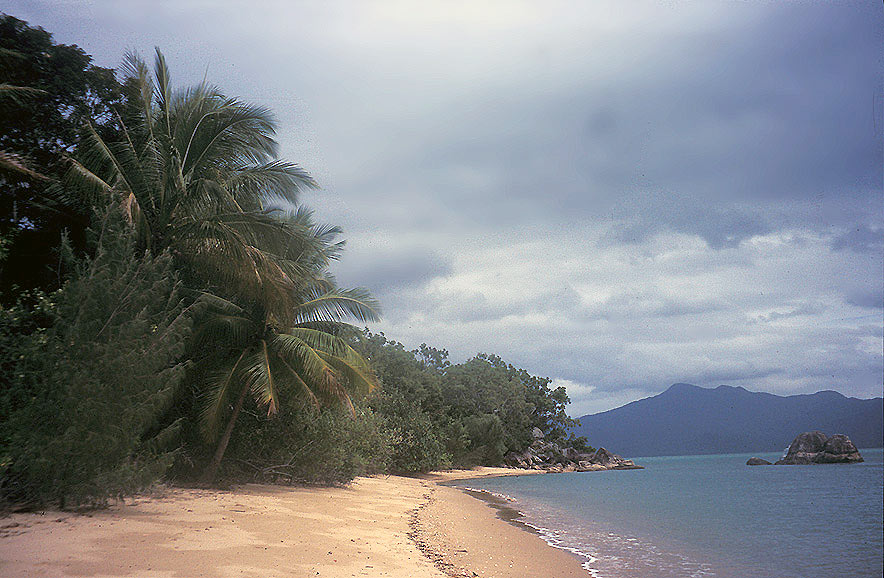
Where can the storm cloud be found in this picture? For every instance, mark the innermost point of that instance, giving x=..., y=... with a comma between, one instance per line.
x=617, y=196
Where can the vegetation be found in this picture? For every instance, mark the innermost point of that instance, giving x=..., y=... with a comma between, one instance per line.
x=87, y=393
x=467, y=414
x=190, y=327
x=47, y=91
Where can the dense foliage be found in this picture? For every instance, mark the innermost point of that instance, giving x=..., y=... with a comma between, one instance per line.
x=466, y=414
x=47, y=91
x=87, y=394
x=197, y=332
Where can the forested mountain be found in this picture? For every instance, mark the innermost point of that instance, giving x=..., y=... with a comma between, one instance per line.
x=686, y=419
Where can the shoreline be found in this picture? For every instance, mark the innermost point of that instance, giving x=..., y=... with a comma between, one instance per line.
x=377, y=526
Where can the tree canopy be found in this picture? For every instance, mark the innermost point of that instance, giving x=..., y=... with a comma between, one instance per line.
x=47, y=92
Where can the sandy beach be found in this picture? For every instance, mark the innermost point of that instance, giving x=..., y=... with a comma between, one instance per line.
x=378, y=526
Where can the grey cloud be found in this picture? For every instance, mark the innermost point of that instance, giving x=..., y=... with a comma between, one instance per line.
x=719, y=227
x=650, y=304
x=721, y=121
x=470, y=307
x=871, y=299
x=861, y=239
x=390, y=269
x=808, y=308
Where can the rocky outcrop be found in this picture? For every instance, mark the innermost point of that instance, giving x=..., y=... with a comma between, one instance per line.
x=816, y=448
x=552, y=457
x=757, y=462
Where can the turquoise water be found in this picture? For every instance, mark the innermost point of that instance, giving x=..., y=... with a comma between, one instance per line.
x=692, y=516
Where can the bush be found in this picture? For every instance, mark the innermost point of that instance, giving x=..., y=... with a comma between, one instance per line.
x=416, y=442
x=303, y=444
x=88, y=392
x=486, y=433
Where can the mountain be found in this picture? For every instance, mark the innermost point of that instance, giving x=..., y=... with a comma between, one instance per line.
x=686, y=419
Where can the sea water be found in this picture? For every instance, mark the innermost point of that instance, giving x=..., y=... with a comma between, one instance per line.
x=693, y=516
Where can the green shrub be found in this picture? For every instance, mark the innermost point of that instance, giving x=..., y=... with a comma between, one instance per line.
x=417, y=444
x=303, y=444
x=88, y=392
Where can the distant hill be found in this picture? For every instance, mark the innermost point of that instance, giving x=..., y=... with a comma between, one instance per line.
x=686, y=419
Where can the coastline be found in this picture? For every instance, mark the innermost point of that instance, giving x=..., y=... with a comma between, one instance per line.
x=377, y=526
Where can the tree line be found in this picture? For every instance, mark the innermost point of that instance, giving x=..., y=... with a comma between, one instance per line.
x=169, y=311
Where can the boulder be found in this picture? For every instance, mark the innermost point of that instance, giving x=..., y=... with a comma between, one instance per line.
x=602, y=457
x=839, y=444
x=553, y=457
x=757, y=462
x=816, y=448
x=839, y=450
x=611, y=461
x=571, y=454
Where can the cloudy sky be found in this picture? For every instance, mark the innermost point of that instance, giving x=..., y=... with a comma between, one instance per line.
x=616, y=195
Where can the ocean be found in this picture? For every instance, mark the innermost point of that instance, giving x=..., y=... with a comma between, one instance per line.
x=710, y=516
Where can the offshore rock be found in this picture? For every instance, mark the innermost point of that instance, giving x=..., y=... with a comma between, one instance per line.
x=757, y=462
x=816, y=448
x=612, y=461
x=552, y=457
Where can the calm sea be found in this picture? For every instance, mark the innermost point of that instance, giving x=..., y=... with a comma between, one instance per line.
x=711, y=516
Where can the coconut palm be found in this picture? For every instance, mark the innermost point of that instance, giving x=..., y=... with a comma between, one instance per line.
x=198, y=176
x=309, y=359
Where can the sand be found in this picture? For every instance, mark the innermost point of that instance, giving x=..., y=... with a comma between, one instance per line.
x=377, y=526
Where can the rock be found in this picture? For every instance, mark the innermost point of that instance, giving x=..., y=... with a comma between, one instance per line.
x=757, y=462
x=839, y=444
x=571, y=454
x=554, y=457
x=838, y=450
x=602, y=457
x=815, y=448
x=537, y=433
x=611, y=461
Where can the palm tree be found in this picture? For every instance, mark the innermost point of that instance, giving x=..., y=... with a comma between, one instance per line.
x=308, y=359
x=198, y=176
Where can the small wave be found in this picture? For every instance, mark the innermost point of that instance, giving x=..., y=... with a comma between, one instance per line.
x=552, y=538
x=497, y=495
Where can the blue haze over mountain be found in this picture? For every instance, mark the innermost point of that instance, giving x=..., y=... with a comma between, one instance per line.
x=688, y=420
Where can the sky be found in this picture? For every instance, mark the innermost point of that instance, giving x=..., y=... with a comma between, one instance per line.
x=616, y=195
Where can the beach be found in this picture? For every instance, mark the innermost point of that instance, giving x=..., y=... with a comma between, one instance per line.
x=376, y=526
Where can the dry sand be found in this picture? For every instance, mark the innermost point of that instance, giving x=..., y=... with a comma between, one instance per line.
x=380, y=526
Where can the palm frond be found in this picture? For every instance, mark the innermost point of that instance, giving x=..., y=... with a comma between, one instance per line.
x=303, y=387
x=15, y=163
x=88, y=184
x=217, y=399
x=358, y=376
x=269, y=394
x=270, y=183
x=18, y=93
x=163, y=93
x=337, y=304
x=307, y=362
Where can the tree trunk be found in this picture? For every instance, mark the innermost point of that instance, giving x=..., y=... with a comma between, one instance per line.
x=212, y=469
